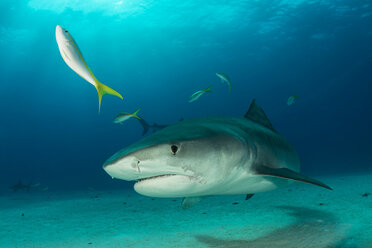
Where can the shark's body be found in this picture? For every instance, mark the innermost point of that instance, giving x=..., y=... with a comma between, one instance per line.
x=21, y=186
x=210, y=156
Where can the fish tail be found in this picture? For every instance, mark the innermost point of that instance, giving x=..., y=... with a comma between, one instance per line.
x=208, y=89
x=295, y=95
x=135, y=114
x=104, y=90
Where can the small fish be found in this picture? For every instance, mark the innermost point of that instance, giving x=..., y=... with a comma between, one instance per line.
x=71, y=54
x=224, y=78
x=120, y=118
x=366, y=194
x=199, y=93
x=292, y=99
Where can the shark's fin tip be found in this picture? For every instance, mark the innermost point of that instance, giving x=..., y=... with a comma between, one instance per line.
x=255, y=113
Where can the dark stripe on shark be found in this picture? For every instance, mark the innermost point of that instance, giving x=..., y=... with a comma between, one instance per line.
x=289, y=174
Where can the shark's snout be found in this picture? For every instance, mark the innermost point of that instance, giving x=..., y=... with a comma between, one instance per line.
x=126, y=168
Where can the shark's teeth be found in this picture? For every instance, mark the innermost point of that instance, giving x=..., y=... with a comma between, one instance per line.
x=192, y=178
x=146, y=178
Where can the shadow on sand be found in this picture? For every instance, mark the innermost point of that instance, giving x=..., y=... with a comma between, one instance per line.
x=311, y=229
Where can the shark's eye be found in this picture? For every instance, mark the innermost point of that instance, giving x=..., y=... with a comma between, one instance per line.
x=66, y=31
x=174, y=149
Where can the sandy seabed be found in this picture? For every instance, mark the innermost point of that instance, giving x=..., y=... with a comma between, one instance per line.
x=294, y=217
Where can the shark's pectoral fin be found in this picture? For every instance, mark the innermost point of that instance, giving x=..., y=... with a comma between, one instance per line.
x=249, y=196
x=188, y=202
x=288, y=174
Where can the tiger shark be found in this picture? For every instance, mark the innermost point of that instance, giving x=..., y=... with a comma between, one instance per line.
x=210, y=156
x=21, y=186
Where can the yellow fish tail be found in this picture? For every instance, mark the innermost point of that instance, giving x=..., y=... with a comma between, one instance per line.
x=208, y=89
x=135, y=114
x=105, y=90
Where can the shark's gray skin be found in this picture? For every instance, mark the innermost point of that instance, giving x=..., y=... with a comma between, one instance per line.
x=210, y=156
x=21, y=186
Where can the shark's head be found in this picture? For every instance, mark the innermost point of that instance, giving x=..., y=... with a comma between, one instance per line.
x=185, y=159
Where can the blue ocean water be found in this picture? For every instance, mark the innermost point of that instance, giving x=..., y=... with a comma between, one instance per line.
x=156, y=54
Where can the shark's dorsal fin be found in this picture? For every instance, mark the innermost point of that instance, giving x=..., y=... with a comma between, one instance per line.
x=255, y=113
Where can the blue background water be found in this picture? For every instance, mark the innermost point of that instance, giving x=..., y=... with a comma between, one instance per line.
x=157, y=53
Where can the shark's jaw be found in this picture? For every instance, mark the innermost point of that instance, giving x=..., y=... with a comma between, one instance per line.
x=155, y=179
x=158, y=184
x=169, y=185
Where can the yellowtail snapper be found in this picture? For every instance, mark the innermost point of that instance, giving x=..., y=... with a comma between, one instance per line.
x=120, y=118
x=199, y=93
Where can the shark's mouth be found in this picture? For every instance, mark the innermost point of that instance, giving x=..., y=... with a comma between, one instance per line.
x=167, y=176
x=154, y=177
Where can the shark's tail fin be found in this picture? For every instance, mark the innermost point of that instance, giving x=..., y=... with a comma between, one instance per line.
x=145, y=126
x=104, y=90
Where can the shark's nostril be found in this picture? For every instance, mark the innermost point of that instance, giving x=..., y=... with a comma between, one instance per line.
x=135, y=165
